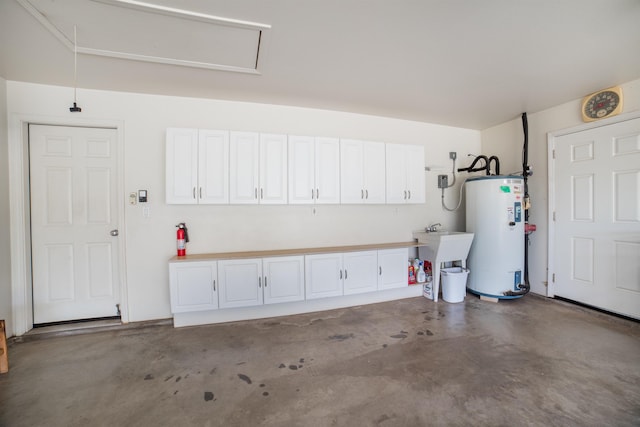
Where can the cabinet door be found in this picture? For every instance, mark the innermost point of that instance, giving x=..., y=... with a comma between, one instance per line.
x=213, y=167
x=323, y=275
x=301, y=169
x=181, y=166
x=396, y=177
x=240, y=282
x=373, y=172
x=244, y=166
x=193, y=286
x=360, y=272
x=283, y=279
x=415, y=173
x=351, y=170
x=393, y=268
x=327, y=171
x=273, y=169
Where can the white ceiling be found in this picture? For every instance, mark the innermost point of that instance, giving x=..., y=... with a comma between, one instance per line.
x=465, y=63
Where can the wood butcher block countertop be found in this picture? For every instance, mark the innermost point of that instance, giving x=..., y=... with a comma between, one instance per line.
x=290, y=252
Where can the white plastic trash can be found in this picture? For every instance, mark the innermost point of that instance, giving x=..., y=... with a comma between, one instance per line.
x=454, y=283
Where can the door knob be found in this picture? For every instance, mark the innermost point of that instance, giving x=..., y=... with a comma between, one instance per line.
x=114, y=233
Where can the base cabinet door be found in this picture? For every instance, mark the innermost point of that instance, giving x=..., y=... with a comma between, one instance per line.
x=323, y=275
x=360, y=272
x=283, y=279
x=193, y=286
x=240, y=282
x=392, y=268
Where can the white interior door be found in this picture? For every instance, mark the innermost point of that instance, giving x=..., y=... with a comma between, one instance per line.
x=597, y=210
x=73, y=176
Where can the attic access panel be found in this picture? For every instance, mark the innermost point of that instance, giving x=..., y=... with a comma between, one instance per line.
x=134, y=30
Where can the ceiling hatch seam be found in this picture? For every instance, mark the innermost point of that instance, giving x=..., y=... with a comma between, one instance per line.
x=259, y=28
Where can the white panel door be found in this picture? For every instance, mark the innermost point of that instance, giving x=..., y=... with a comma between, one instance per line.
x=283, y=279
x=327, y=170
x=193, y=286
x=273, y=169
x=323, y=275
x=213, y=167
x=243, y=168
x=73, y=178
x=360, y=272
x=396, y=174
x=240, y=283
x=392, y=268
x=181, y=166
x=597, y=210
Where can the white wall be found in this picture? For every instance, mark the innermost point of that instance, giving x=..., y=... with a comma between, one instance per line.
x=5, y=258
x=506, y=140
x=151, y=242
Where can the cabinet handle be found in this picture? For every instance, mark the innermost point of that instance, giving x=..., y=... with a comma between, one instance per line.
x=405, y=194
x=340, y=274
x=380, y=270
x=259, y=282
x=265, y=281
x=201, y=192
x=255, y=191
x=312, y=196
x=409, y=194
x=214, y=285
x=366, y=192
x=362, y=194
x=317, y=193
x=194, y=192
x=261, y=193
x=345, y=274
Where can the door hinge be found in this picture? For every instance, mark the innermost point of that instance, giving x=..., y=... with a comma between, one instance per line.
x=118, y=310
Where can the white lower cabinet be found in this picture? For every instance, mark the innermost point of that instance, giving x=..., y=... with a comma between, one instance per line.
x=283, y=279
x=323, y=275
x=193, y=286
x=392, y=268
x=250, y=282
x=360, y=273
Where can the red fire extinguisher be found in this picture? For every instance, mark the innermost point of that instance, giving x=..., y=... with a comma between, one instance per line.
x=182, y=236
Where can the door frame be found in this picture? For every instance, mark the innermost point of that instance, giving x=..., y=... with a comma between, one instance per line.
x=551, y=146
x=20, y=211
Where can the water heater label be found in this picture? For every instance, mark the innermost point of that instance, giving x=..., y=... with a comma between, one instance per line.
x=518, y=211
x=517, y=278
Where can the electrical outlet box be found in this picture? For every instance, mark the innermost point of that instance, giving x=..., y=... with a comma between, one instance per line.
x=443, y=181
x=453, y=155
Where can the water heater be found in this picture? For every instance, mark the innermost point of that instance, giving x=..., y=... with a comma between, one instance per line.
x=495, y=215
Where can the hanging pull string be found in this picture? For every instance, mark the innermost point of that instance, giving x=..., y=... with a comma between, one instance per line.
x=75, y=108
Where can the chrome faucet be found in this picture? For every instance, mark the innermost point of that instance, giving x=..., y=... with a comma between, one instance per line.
x=433, y=227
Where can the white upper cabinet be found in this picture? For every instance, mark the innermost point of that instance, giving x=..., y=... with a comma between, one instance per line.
x=314, y=174
x=273, y=169
x=258, y=170
x=405, y=173
x=197, y=166
x=213, y=167
x=362, y=166
x=181, y=166
x=244, y=167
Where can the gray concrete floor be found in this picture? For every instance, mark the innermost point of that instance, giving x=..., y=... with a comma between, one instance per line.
x=405, y=363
